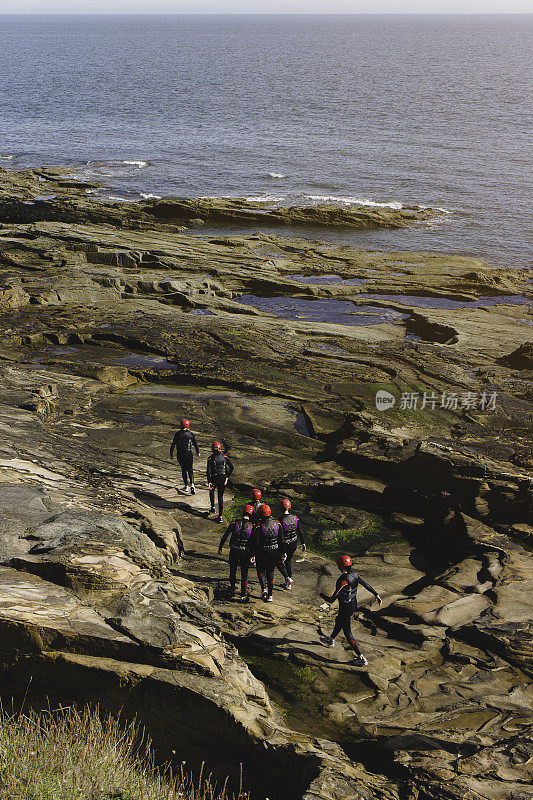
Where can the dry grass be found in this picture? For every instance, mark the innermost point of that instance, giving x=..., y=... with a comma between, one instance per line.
x=73, y=755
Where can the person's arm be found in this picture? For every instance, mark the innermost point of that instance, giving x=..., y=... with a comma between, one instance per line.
x=371, y=590
x=338, y=588
x=300, y=533
x=209, y=471
x=281, y=543
x=229, y=468
x=229, y=529
x=252, y=542
x=195, y=444
x=173, y=445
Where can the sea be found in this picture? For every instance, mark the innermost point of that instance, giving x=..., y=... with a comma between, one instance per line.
x=389, y=111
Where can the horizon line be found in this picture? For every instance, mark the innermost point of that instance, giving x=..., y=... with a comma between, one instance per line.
x=268, y=14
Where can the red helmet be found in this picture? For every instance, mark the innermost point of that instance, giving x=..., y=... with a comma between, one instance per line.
x=285, y=504
x=184, y=423
x=265, y=510
x=255, y=494
x=247, y=511
x=343, y=562
x=216, y=446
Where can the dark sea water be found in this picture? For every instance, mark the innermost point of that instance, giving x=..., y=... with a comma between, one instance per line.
x=432, y=111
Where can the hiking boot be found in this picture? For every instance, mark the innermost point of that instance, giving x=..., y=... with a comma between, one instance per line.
x=327, y=641
x=360, y=661
x=185, y=490
x=212, y=510
x=269, y=598
x=288, y=584
x=193, y=490
x=219, y=519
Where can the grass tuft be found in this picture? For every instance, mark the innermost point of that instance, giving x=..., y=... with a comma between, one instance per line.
x=80, y=755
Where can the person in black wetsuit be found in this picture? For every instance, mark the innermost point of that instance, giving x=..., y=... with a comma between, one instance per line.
x=183, y=443
x=255, y=497
x=267, y=547
x=219, y=468
x=240, y=531
x=346, y=593
x=292, y=529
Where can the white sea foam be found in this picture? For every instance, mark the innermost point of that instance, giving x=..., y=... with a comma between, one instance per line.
x=6, y=158
x=137, y=163
x=357, y=201
x=265, y=198
x=276, y=175
x=150, y=196
x=113, y=197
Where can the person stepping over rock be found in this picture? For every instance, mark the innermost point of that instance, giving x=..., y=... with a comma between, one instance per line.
x=183, y=443
x=239, y=531
x=346, y=593
x=292, y=529
x=219, y=468
x=267, y=547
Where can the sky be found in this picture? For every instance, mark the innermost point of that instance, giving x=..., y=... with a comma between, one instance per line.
x=265, y=6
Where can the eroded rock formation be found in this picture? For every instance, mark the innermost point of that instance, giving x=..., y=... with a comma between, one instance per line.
x=113, y=325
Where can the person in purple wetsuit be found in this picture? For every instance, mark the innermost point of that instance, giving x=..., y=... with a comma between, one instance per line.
x=239, y=531
x=292, y=530
x=346, y=593
x=267, y=547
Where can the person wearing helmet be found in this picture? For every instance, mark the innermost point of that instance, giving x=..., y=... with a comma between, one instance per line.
x=239, y=531
x=346, y=593
x=256, y=503
x=292, y=529
x=219, y=468
x=267, y=547
x=183, y=443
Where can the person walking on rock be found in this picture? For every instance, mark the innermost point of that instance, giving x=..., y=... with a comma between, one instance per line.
x=240, y=531
x=255, y=497
x=219, y=468
x=291, y=529
x=183, y=443
x=346, y=593
x=267, y=547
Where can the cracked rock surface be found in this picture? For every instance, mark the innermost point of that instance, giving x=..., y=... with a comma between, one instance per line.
x=114, y=324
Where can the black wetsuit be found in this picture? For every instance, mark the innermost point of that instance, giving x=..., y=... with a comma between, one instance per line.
x=183, y=442
x=346, y=593
x=240, y=531
x=256, y=505
x=267, y=547
x=292, y=529
x=219, y=468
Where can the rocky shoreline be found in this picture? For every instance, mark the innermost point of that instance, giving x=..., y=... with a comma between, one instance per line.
x=115, y=322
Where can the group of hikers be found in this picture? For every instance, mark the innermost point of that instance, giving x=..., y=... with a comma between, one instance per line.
x=257, y=538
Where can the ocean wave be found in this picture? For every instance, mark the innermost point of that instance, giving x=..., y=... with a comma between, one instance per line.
x=265, y=198
x=150, y=196
x=5, y=158
x=119, y=199
x=137, y=163
x=276, y=175
x=357, y=201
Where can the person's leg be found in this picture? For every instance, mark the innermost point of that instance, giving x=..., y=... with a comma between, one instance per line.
x=347, y=629
x=190, y=473
x=288, y=561
x=233, y=561
x=270, y=575
x=245, y=565
x=183, y=465
x=220, y=492
x=212, y=499
x=281, y=566
x=261, y=576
